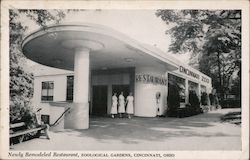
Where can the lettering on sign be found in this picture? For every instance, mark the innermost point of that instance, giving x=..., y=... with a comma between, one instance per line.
x=147, y=78
x=204, y=79
x=188, y=72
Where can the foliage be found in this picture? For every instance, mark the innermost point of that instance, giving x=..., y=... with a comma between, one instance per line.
x=232, y=117
x=213, y=37
x=204, y=98
x=236, y=86
x=21, y=81
x=192, y=108
x=194, y=101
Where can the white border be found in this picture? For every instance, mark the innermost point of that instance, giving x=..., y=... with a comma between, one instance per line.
x=56, y=4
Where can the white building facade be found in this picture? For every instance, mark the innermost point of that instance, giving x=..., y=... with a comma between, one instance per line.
x=145, y=84
x=103, y=61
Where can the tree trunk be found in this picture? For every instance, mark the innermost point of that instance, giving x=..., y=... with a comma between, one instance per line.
x=223, y=82
x=219, y=73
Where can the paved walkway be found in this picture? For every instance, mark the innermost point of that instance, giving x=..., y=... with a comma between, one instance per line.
x=200, y=132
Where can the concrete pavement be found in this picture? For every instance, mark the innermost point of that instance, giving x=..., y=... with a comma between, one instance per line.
x=200, y=132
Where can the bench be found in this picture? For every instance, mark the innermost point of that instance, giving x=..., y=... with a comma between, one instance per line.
x=20, y=133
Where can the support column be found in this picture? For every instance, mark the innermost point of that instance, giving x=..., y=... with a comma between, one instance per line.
x=199, y=91
x=186, y=91
x=81, y=78
x=79, y=114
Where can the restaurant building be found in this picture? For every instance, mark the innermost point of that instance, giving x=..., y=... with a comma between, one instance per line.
x=97, y=62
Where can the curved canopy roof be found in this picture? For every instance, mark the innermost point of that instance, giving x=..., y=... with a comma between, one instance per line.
x=49, y=47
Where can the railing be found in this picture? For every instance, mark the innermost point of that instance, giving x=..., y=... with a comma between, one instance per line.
x=60, y=117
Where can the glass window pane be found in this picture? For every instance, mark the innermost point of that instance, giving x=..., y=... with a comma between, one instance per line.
x=50, y=92
x=44, y=85
x=50, y=98
x=70, y=86
x=44, y=92
x=180, y=82
x=51, y=85
x=47, y=91
x=44, y=98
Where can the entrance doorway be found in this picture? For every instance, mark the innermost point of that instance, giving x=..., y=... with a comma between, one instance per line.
x=121, y=88
x=100, y=95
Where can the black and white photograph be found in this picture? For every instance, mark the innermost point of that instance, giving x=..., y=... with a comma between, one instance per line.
x=124, y=83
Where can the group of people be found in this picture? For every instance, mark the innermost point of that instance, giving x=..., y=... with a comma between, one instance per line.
x=118, y=105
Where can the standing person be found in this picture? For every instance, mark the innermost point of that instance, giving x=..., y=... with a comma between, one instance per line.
x=114, y=106
x=216, y=101
x=40, y=123
x=121, y=108
x=130, y=105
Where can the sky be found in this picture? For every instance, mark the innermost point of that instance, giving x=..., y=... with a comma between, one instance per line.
x=141, y=25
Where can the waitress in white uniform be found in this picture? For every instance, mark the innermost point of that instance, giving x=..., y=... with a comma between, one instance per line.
x=130, y=105
x=114, y=106
x=121, y=109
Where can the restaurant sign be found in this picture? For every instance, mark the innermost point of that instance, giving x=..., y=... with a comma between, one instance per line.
x=188, y=72
x=147, y=78
x=204, y=79
x=192, y=74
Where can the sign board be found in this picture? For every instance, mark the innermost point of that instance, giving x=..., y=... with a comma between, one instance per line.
x=192, y=74
x=147, y=78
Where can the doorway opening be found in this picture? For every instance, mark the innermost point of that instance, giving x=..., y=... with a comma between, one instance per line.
x=121, y=88
x=100, y=96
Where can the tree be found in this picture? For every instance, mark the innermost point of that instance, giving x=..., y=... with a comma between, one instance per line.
x=213, y=37
x=21, y=81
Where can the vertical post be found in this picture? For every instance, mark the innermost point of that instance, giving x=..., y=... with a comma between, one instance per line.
x=199, y=91
x=79, y=114
x=81, y=72
x=186, y=91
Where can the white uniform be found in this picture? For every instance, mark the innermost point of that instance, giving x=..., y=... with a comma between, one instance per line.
x=121, y=108
x=114, y=105
x=130, y=105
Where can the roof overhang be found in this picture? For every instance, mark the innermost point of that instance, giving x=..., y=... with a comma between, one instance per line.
x=47, y=47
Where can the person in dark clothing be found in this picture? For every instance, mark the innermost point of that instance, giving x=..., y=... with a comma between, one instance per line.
x=40, y=123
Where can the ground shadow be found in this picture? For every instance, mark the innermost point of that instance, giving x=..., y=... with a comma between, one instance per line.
x=133, y=131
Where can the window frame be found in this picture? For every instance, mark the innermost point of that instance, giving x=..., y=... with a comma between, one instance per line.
x=70, y=91
x=48, y=97
x=179, y=80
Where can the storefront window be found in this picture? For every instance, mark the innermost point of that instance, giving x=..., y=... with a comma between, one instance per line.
x=193, y=93
x=181, y=85
x=203, y=89
x=47, y=91
x=192, y=86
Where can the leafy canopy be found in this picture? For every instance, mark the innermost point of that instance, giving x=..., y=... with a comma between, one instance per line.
x=213, y=37
x=21, y=81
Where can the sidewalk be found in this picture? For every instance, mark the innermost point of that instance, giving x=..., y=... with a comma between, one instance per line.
x=200, y=132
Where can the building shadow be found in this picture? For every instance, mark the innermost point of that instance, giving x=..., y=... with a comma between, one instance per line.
x=137, y=129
